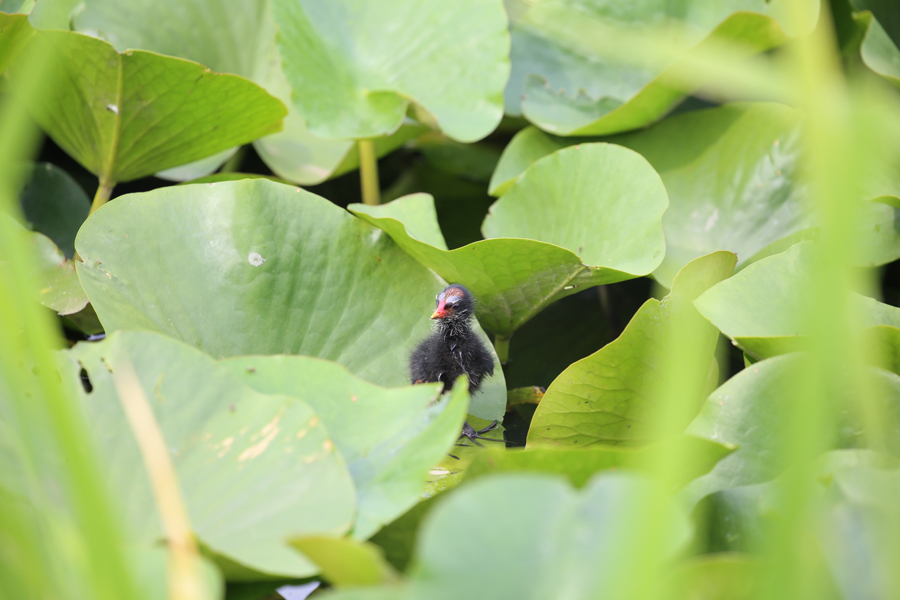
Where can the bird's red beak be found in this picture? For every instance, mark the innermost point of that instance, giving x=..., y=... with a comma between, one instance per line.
x=440, y=313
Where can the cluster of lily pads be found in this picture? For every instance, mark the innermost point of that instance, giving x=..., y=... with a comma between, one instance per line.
x=270, y=328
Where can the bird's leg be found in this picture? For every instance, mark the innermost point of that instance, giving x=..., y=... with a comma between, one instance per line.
x=473, y=436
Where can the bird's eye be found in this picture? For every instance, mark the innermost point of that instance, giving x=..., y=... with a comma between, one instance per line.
x=450, y=306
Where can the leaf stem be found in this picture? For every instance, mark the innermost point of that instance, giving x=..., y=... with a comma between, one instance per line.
x=501, y=346
x=233, y=164
x=104, y=191
x=368, y=172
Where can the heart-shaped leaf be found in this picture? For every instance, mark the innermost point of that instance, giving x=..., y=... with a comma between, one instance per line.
x=869, y=39
x=578, y=465
x=257, y=267
x=762, y=308
x=576, y=202
x=573, y=198
x=390, y=438
x=751, y=410
x=451, y=59
x=559, y=542
x=346, y=562
x=124, y=116
x=606, y=398
x=567, y=82
x=58, y=286
x=733, y=178
x=254, y=469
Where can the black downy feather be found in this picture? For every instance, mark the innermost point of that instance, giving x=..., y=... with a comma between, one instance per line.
x=453, y=349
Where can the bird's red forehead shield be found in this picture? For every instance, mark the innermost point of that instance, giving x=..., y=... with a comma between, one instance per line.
x=442, y=311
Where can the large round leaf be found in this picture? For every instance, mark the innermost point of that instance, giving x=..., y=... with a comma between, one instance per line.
x=254, y=469
x=257, y=267
x=733, y=175
x=355, y=65
x=558, y=542
x=57, y=283
x=751, y=411
x=228, y=36
x=390, y=438
x=297, y=154
x=565, y=82
x=598, y=201
x=124, y=116
x=606, y=398
x=578, y=465
x=232, y=36
x=873, y=44
x=762, y=308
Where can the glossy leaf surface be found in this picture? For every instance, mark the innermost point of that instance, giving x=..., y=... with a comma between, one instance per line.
x=567, y=82
x=263, y=268
x=124, y=116
x=355, y=65
x=606, y=398
x=390, y=438
x=575, y=201
x=254, y=468
x=733, y=178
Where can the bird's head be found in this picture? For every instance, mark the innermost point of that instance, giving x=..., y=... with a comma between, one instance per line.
x=454, y=303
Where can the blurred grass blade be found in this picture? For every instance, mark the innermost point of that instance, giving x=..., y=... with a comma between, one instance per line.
x=185, y=582
x=42, y=411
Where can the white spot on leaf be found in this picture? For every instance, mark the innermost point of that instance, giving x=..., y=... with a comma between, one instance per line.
x=112, y=108
x=255, y=259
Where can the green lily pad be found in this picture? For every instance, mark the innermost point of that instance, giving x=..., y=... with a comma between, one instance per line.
x=750, y=411
x=566, y=83
x=125, y=116
x=346, y=562
x=859, y=525
x=256, y=267
x=390, y=438
x=452, y=60
x=578, y=465
x=762, y=308
x=58, y=286
x=611, y=219
x=605, y=398
x=55, y=205
x=733, y=178
x=60, y=289
x=552, y=537
x=297, y=154
x=876, y=48
x=254, y=469
x=228, y=36
x=590, y=215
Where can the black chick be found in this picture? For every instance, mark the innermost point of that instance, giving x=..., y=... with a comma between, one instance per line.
x=453, y=349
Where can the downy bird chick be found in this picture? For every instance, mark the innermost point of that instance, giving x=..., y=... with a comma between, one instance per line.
x=453, y=349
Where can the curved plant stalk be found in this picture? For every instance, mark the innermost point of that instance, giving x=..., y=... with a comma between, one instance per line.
x=43, y=412
x=104, y=191
x=368, y=172
x=184, y=579
x=501, y=346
